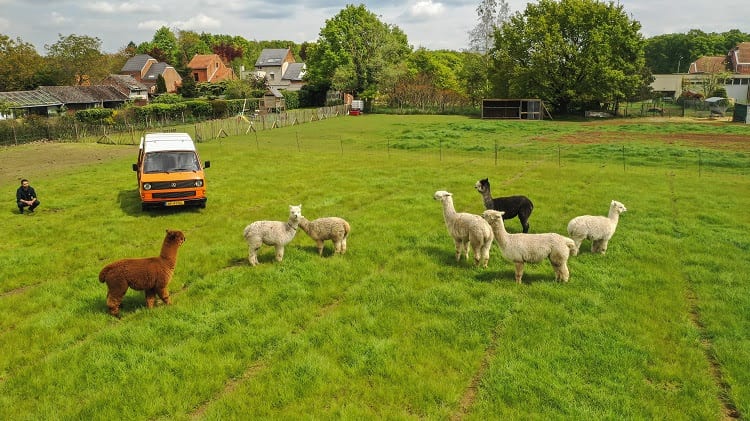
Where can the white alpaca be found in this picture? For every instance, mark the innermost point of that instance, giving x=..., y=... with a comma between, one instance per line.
x=466, y=229
x=598, y=229
x=272, y=233
x=328, y=228
x=531, y=248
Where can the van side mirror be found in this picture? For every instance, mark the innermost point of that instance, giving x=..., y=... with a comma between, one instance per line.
x=135, y=167
x=207, y=164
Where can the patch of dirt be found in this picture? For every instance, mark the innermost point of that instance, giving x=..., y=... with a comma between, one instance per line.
x=35, y=160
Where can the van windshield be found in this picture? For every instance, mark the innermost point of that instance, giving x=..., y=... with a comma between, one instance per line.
x=170, y=162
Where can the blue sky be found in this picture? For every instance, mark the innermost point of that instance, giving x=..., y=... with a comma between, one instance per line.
x=433, y=24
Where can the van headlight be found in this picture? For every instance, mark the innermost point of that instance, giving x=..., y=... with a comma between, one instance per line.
x=146, y=186
x=198, y=183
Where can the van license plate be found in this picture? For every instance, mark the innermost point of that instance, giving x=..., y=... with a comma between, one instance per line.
x=175, y=203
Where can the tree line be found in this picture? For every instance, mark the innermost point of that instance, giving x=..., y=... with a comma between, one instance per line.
x=573, y=54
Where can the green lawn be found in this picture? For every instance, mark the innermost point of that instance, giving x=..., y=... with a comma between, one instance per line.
x=658, y=328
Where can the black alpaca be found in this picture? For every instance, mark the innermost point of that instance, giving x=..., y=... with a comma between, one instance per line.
x=513, y=206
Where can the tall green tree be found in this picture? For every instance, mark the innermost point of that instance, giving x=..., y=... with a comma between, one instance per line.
x=166, y=41
x=668, y=53
x=19, y=64
x=189, y=43
x=77, y=59
x=354, y=49
x=570, y=53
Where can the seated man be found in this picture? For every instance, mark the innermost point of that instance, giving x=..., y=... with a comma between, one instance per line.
x=26, y=196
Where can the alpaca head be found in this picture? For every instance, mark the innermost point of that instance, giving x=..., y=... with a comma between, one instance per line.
x=441, y=195
x=493, y=216
x=482, y=185
x=175, y=237
x=617, y=207
x=295, y=212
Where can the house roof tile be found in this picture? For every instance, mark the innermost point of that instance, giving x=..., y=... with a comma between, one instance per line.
x=272, y=57
x=128, y=81
x=202, y=61
x=709, y=64
x=136, y=63
x=27, y=99
x=84, y=94
x=294, y=72
x=154, y=71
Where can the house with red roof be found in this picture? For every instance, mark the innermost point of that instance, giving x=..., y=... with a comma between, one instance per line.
x=209, y=68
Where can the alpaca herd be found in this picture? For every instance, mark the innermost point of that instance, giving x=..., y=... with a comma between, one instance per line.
x=469, y=232
x=522, y=248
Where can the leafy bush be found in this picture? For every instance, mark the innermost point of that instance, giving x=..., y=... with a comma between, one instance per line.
x=94, y=115
x=292, y=99
x=219, y=108
x=167, y=99
x=199, y=108
x=161, y=110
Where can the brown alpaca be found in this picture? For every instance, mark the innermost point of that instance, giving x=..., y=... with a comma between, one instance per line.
x=149, y=274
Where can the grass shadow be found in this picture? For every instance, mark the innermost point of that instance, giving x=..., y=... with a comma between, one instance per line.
x=509, y=275
x=130, y=203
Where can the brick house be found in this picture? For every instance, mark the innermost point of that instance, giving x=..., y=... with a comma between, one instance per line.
x=146, y=70
x=739, y=58
x=209, y=68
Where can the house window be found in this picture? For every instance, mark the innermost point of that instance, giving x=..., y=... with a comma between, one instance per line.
x=271, y=75
x=195, y=76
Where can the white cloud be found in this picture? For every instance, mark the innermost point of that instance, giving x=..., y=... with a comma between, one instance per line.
x=152, y=25
x=124, y=7
x=58, y=19
x=426, y=8
x=198, y=22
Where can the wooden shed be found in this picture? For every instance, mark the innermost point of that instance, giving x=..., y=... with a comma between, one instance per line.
x=520, y=109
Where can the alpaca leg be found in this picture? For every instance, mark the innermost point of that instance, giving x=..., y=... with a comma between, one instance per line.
x=459, y=249
x=163, y=293
x=343, y=246
x=603, y=246
x=150, y=297
x=524, y=222
x=336, y=246
x=564, y=274
x=578, y=242
x=113, y=303
x=519, y=272
x=320, y=245
x=279, y=253
x=486, y=254
x=596, y=246
x=253, y=255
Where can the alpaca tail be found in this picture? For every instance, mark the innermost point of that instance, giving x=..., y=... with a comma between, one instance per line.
x=103, y=274
x=347, y=229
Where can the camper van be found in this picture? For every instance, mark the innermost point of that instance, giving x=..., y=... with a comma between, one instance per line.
x=170, y=172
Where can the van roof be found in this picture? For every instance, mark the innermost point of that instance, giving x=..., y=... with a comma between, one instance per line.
x=153, y=142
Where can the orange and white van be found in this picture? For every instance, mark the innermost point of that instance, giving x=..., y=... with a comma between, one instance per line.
x=170, y=172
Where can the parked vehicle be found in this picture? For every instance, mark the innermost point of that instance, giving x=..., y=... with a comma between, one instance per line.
x=170, y=171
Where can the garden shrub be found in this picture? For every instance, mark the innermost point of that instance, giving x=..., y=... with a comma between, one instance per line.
x=94, y=115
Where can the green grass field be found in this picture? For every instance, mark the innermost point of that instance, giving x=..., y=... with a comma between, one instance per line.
x=658, y=328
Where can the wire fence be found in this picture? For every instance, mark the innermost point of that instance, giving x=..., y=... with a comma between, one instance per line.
x=69, y=130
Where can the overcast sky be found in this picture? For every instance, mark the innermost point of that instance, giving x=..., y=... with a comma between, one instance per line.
x=433, y=24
